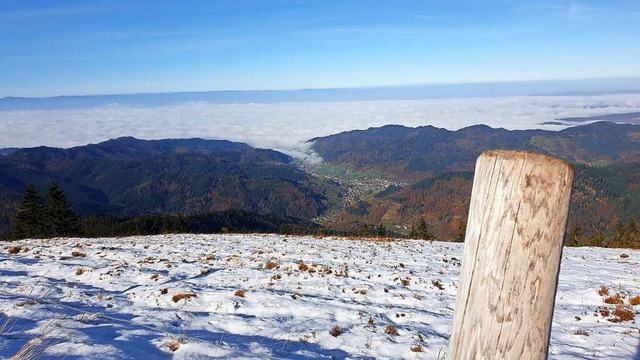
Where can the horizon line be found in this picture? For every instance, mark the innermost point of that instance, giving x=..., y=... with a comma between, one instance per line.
x=368, y=87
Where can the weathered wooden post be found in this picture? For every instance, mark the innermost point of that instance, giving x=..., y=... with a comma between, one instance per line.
x=512, y=251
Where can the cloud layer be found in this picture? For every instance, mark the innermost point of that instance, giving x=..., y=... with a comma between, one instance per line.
x=288, y=126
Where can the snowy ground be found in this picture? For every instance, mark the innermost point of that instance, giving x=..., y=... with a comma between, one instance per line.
x=255, y=296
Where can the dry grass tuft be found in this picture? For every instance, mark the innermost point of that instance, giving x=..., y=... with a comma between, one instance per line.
x=603, y=291
x=624, y=256
x=634, y=300
x=437, y=284
x=174, y=345
x=164, y=291
x=622, y=314
x=178, y=297
x=580, y=332
x=303, y=267
x=616, y=299
x=604, y=312
x=14, y=249
x=417, y=348
x=79, y=271
x=391, y=330
x=240, y=293
x=271, y=265
x=78, y=254
x=335, y=331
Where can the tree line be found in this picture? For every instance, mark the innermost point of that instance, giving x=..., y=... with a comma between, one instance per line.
x=52, y=217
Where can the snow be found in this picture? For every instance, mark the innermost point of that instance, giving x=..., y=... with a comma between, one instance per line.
x=269, y=296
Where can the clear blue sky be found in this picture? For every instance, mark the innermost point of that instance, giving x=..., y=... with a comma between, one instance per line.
x=61, y=47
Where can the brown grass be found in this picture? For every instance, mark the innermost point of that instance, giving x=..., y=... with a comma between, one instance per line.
x=437, y=284
x=14, y=249
x=164, y=291
x=417, y=348
x=634, y=300
x=391, y=330
x=174, y=345
x=335, y=331
x=603, y=291
x=303, y=267
x=78, y=254
x=178, y=297
x=240, y=293
x=271, y=265
x=624, y=256
x=622, y=314
x=604, y=312
x=580, y=332
x=80, y=271
x=616, y=299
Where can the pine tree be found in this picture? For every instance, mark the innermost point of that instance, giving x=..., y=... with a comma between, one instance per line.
x=421, y=231
x=634, y=231
x=574, y=235
x=462, y=230
x=60, y=220
x=29, y=222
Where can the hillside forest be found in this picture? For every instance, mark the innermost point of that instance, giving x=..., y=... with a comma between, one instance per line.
x=389, y=181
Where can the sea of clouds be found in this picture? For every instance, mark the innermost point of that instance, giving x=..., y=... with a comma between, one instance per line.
x=287, y=127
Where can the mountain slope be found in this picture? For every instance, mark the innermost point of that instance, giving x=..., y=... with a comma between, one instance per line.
x=436, y=166
x=127, y=176
x=413, y=153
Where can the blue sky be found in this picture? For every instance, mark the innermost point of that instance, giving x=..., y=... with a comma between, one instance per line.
x=98, y=47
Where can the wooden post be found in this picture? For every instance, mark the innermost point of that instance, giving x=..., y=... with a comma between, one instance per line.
x=512, y=251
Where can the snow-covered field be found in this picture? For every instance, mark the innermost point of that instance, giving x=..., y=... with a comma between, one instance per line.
x=267, y=296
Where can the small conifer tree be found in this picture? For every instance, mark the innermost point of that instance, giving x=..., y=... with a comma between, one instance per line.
x=421, y=230
x=60, y=220
x=29, y=221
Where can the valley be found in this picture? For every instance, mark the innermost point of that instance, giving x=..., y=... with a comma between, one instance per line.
x=380, y=181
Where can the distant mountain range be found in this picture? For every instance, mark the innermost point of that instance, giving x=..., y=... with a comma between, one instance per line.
x=388, y=177
x=405, y=92
x=413, y=153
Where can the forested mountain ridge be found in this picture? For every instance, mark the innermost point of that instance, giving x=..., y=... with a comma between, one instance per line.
x=437, y=166
x=413, y=153
x=383, y=180
x=128, y=176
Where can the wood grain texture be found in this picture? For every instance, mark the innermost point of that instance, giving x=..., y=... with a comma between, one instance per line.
x=513, y=246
